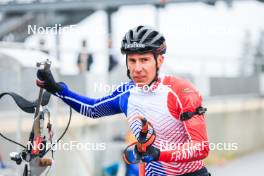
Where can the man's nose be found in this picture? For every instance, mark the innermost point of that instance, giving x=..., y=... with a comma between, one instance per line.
x=138, y=67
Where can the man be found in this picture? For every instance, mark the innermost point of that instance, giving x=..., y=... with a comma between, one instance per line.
x=170, y=104
x=84, y=59
x=111, y=56
x=2, y=165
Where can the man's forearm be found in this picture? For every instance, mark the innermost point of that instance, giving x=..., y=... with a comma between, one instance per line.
x=186, y=153
x=90, y=107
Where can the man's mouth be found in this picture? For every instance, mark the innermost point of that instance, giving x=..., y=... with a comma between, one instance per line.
x=139, y=77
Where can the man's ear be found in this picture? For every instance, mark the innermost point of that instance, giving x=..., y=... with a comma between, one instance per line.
x=160, y=60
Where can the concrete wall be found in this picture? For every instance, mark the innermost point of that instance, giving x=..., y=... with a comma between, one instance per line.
x=75, y=82
x=10, y=79
x=234, y=86
x=17, y=78
x=237, y=122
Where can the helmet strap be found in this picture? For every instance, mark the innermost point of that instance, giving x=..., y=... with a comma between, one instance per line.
x=157, y=69
x=128, y=72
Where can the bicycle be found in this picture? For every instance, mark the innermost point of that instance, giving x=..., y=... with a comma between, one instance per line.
x=33, y=154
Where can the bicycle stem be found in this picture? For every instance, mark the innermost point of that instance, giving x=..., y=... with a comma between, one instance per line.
x=36, y=126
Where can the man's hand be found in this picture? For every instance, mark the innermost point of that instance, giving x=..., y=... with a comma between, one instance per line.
x=46, y=81
x=152, y=154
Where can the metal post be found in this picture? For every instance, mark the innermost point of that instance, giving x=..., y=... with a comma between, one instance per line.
x=157, y=17
x=158, y=6
x=19, y=122
x=57, y=41
x=109, y=13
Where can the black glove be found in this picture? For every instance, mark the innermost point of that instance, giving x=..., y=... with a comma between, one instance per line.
x=47, y=81
x=151, y=154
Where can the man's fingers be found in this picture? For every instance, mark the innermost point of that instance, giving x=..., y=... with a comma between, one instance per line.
x=41, y=74
x=40, y=83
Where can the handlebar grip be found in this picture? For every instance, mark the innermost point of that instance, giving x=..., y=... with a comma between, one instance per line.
x=43, y=162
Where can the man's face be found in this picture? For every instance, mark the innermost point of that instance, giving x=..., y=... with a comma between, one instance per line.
x=142, y=67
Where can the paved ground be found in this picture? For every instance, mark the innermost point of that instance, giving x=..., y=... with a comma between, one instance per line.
x=250, y=165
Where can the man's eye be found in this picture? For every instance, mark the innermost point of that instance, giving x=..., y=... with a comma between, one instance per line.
x=132, y=60
x=145, y=59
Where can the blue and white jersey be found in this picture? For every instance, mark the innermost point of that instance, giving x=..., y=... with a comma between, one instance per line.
x=161, y=105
